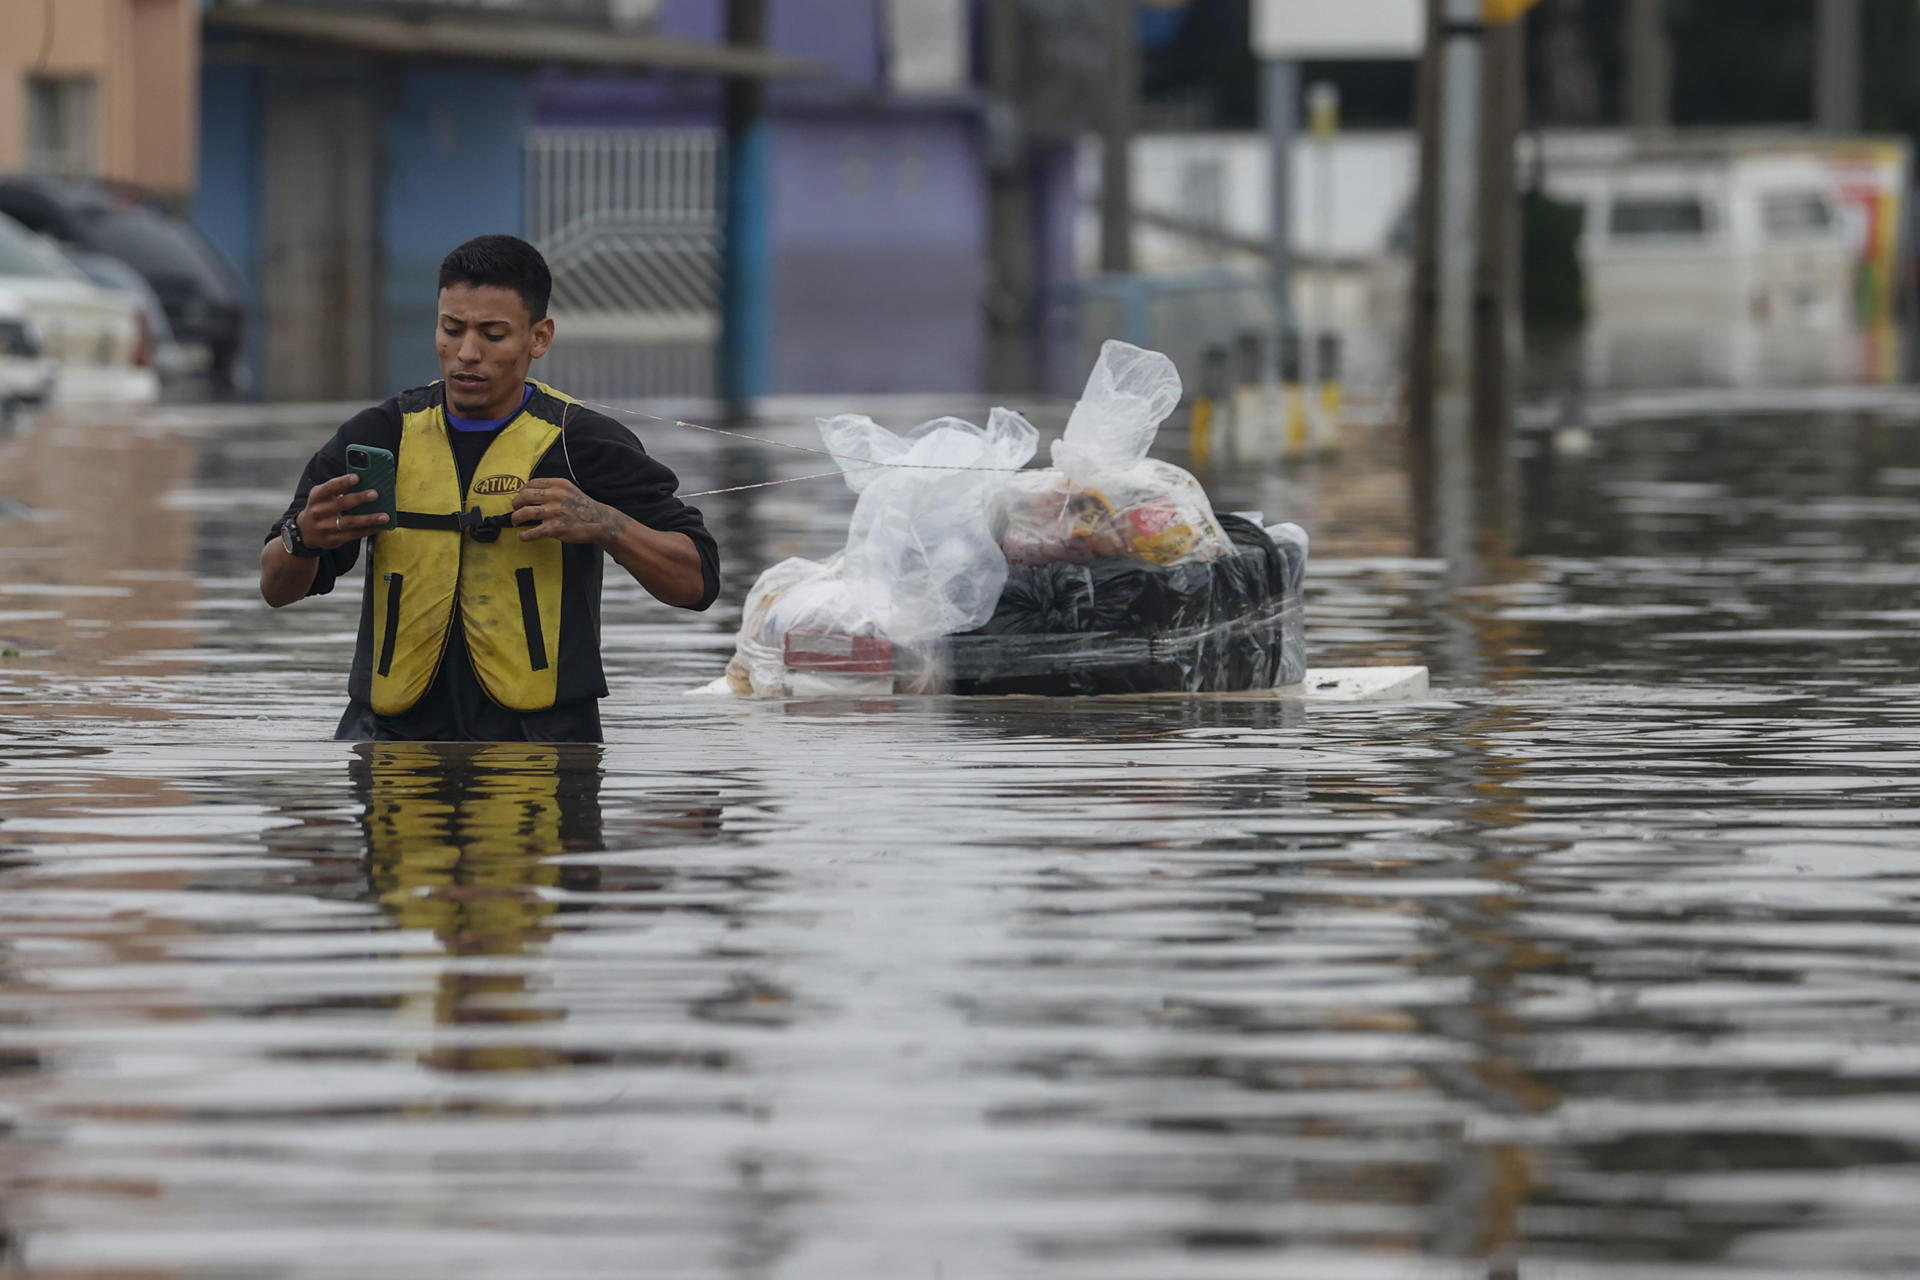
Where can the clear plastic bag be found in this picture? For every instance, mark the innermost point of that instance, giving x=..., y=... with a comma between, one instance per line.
x=1153, y=513
x=794, y=594
x=922, y=560
x=1104, y=497
x=1128, y=395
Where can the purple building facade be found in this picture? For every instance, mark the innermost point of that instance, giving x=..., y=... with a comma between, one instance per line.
x=876, y=197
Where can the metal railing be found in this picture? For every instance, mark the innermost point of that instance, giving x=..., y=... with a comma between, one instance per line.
x=629, y=220
x=1192, y=317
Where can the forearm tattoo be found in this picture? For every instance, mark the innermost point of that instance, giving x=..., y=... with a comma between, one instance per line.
x=607, y=522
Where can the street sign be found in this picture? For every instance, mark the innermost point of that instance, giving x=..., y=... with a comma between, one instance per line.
x=1385, y=29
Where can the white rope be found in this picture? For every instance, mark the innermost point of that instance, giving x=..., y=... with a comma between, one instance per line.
x=767, y=484
x=864, y=463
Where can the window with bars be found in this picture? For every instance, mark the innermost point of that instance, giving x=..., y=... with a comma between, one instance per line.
x=61, y=125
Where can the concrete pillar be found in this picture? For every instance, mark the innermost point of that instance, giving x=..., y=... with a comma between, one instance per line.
x=1649, y=66
x=1461, y=67
x=1465, y=281
x=1497, y=273
x=746, y=269
x=1457, y=265
x=1422, y=290
x=1011, y=333
x=1837, y=67
x=1118, y=120
x=1280, y=111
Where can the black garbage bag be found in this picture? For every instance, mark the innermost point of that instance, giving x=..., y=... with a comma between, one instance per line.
x=1116, y=625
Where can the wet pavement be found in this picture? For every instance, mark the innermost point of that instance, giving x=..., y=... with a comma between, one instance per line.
x=1599, y=965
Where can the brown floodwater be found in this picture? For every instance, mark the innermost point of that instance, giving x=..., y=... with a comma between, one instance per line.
x=1603, y=963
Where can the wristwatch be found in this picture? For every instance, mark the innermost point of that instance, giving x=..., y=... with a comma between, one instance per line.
x=291, y=540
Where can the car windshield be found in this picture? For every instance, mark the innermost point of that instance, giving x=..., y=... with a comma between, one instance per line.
x=159, y=247
x=1787, y=214
x=23, y=254
x=1658, y=216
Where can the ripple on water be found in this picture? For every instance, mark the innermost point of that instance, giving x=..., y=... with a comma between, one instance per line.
x=1605, y=962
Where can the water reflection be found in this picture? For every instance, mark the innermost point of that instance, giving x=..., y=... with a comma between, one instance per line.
x=461, y=839
x=95, y=561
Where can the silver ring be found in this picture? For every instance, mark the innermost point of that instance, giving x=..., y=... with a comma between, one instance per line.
x=337, y=525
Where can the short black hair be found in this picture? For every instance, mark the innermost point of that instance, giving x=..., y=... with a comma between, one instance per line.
x=505, y=262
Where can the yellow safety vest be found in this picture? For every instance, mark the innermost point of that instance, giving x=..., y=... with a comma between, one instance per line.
x=507, y=592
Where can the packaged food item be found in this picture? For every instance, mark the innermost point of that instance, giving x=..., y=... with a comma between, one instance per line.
x=826, y=664
x=1154, y=513
x=786, y=597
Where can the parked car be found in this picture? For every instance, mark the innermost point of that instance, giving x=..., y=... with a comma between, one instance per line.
x=97, y=337
x=172, y=360
x=27, y=373
x=202, y=294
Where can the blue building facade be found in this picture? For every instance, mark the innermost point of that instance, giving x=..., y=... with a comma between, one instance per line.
x=871, y=226
x=433, y=158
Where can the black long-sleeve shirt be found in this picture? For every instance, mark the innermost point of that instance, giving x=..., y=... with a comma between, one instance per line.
x=608, y=464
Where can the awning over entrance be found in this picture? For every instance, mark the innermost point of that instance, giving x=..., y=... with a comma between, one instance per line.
x=462, y=38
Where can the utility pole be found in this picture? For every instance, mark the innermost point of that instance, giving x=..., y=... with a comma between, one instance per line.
x=1497, y=268
x=1118, y=122
x=1649, y=66
x=1459, y=189
x=1280, y=111
x=1423, y=289
x=1010, y=334
x=1456, y=264
x=1466, y=271
x=746, y=304
x=1836, y=81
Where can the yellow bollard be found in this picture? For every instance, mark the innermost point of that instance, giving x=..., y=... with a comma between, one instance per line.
x=1293, y=438
x=1331, y=403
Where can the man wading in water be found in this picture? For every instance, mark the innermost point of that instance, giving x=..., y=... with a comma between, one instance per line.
x=481, y=618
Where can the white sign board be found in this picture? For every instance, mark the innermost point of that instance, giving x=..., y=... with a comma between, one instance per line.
x=927, y=46
x=1383, y=29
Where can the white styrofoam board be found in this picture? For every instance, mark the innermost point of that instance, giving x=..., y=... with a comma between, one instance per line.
x=1361, y=684
x=1326, y=684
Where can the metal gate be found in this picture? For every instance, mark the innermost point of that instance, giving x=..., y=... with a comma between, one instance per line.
x=629, y=221
x=318, y=281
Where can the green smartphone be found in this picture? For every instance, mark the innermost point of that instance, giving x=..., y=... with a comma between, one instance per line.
x=376, y=470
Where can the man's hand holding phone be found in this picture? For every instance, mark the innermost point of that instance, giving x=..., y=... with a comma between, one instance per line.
x=324, y=521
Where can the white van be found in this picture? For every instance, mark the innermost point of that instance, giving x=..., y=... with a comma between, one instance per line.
x=1732, y=269
x=1758, y=236
x=1705, y=263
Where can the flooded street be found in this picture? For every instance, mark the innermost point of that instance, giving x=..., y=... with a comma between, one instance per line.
x=1603, y=960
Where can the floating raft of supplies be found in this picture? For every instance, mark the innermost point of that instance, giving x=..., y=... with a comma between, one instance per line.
x=967, y=572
